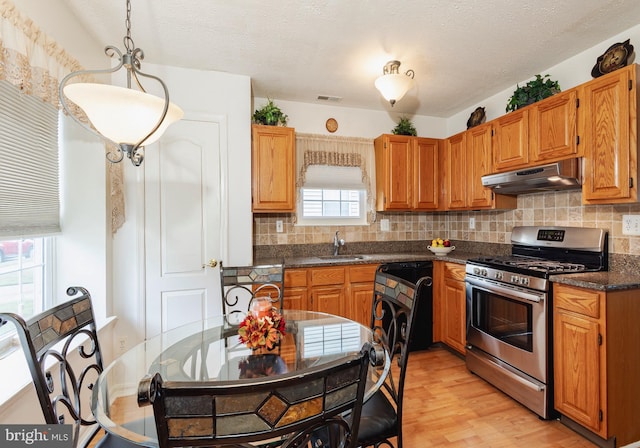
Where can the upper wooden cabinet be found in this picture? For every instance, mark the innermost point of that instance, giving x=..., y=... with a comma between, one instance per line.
x=467, y=157
x=552, y=128
x=543, y=132
x=455, y=171
x=511, y=140
x=407, y=173
x=273, y=169
x=608, y=125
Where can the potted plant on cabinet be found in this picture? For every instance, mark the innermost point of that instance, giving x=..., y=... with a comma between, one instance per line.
x=270, y=115
x=535, y=90
x=405, y=127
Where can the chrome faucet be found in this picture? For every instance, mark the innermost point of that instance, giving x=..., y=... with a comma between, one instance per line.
x=337, y=242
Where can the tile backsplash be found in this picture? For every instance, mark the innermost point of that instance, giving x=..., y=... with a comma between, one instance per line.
x=559, y=208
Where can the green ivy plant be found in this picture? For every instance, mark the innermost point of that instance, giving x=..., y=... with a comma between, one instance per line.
x=270, y=115
x=405, y=127
x=535, y=90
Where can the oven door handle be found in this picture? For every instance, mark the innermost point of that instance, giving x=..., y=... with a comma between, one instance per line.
x=518, y=294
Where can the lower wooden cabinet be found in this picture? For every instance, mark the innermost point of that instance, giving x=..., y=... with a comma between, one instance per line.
x=361, y=279
x=596, y=360
x=295, y=295
x=449, y=305
x=341, y=290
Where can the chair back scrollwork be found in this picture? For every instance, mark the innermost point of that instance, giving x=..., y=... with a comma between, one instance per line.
x=64, y=358
x=241, y=285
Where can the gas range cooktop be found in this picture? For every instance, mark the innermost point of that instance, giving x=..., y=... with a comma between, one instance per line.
x=532, y=264
x=538, y=252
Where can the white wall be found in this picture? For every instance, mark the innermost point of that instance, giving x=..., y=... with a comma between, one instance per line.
x=311, y=118
x=569, y=73
x=81, y=249
x=56, y=19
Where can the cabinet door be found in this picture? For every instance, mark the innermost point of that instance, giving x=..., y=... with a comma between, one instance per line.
x=479, y=163
x=605, y=127
x=328, y=299
x=454, y=325
x=394, y=172
x=553, y=128
x=295, y=289
x=360, y=302
x=511, y=140
x=426, y=165
x=577, y=369
x=455, y=172
x=295, y=299
x=273, y=169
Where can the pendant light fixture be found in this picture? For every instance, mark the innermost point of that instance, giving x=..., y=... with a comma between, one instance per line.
x=392, y=84
x=127, y=118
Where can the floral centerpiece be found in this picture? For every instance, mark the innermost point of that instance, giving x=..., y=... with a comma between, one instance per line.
x=263, y=329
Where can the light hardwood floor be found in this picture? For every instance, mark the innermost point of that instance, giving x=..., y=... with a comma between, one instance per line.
x=447, y=406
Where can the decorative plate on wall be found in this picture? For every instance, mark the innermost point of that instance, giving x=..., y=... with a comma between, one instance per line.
x=616, y=56
x=332, y=125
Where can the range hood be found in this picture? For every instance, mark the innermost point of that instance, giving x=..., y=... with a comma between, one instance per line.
x=564, y=175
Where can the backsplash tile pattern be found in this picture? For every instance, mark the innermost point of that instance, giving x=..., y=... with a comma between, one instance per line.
x=559, y=208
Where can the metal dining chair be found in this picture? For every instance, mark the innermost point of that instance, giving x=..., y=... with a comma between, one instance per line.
x=63, y=353
x=317, y=407
x=241, y=285
x=393, y=319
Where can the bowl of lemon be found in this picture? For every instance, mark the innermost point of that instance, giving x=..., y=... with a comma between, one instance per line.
x=440, y=247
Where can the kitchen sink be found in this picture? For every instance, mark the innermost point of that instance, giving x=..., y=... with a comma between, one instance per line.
x=344, y=257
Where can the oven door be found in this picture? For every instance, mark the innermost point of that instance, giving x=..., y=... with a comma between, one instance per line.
x=509, y=323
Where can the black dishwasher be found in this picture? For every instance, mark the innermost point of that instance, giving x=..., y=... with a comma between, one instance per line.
x=412, y=271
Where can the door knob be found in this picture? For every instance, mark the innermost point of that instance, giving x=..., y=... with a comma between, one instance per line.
x=212, y=263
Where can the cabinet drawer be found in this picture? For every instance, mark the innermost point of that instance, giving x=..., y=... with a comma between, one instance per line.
x=328, y=276
x=454, y=271
x=363, y=273
x=581, y=301
x=295, y=278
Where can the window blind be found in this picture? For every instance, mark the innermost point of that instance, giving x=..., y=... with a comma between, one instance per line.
x=29, y=197
x=336, y=177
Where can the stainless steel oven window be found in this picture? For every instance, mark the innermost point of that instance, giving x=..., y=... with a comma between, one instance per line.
x=507, y=320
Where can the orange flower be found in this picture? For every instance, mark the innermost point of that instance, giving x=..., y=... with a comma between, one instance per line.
x=264, y=331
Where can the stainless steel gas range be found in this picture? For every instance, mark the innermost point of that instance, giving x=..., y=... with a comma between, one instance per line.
x=509, y=308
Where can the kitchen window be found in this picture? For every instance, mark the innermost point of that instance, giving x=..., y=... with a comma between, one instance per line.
x=25, y=278
x=332, y=195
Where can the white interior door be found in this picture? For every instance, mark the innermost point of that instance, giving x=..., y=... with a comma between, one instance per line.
x=185, y=216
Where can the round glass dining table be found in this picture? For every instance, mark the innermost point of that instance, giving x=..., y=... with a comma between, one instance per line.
x=210, y=350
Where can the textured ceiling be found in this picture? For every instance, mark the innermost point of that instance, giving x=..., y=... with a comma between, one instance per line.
x=461, y=51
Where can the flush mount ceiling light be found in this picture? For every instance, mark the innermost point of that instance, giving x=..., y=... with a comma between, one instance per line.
x=393, y=84
x=127, y=118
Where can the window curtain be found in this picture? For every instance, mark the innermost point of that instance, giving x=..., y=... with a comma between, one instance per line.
x=35, y=64
x=314, y=149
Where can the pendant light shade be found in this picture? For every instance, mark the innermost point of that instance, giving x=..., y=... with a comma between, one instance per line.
x=392, y=84
x=122, y=115
x=127, y=118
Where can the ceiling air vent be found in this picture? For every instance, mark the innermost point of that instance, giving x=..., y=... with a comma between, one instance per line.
x=329, y=98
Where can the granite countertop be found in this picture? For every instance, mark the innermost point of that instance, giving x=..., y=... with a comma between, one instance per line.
x=601, y=281
x=622, y=274
x=375, y=258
